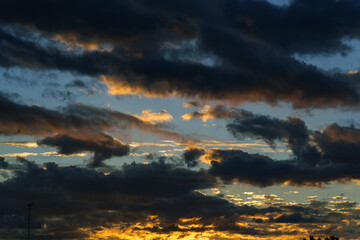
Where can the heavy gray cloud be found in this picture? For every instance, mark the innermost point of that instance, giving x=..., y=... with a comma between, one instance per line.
x=262, y=171
x=293, y=130
x=252, y=61
x=191, y=155
x=103, y=146
x=68, y=199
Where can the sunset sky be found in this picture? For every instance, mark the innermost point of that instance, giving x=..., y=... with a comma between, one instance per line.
x=180, y=119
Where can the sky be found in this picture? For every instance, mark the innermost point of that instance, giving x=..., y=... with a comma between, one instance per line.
x=192, y=119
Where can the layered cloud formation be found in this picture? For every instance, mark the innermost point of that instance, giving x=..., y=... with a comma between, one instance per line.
x=116, y=74
x=160, y=58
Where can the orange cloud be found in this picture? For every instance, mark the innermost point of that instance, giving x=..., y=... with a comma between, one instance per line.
x=204, y=114
x=149, y=116
x=119, y=86
x=211, y=155
x=353, y=72
x=194, y=231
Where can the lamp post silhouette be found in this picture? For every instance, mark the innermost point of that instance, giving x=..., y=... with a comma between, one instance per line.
x=28, y=232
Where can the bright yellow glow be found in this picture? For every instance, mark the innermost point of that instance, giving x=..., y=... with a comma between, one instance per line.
x=186, y=220
x=45, y=154
x=138, y=232
x=21, y=144
x=23, y=154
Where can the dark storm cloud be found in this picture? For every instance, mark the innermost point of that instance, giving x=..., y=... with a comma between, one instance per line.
x=68, y=199
x=262, y=171
x=121, y=21
x=250, y=71
x=293, y=130
x=250, y=65
x=80, y=194
x=339, y=144
x=305, y=26
x=103, y=146
x=192, y=154
x=271, y=75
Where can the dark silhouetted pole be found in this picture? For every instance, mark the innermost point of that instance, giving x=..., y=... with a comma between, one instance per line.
x=28, y=233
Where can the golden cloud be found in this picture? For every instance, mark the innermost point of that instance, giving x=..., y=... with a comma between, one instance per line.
x=151, y=117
